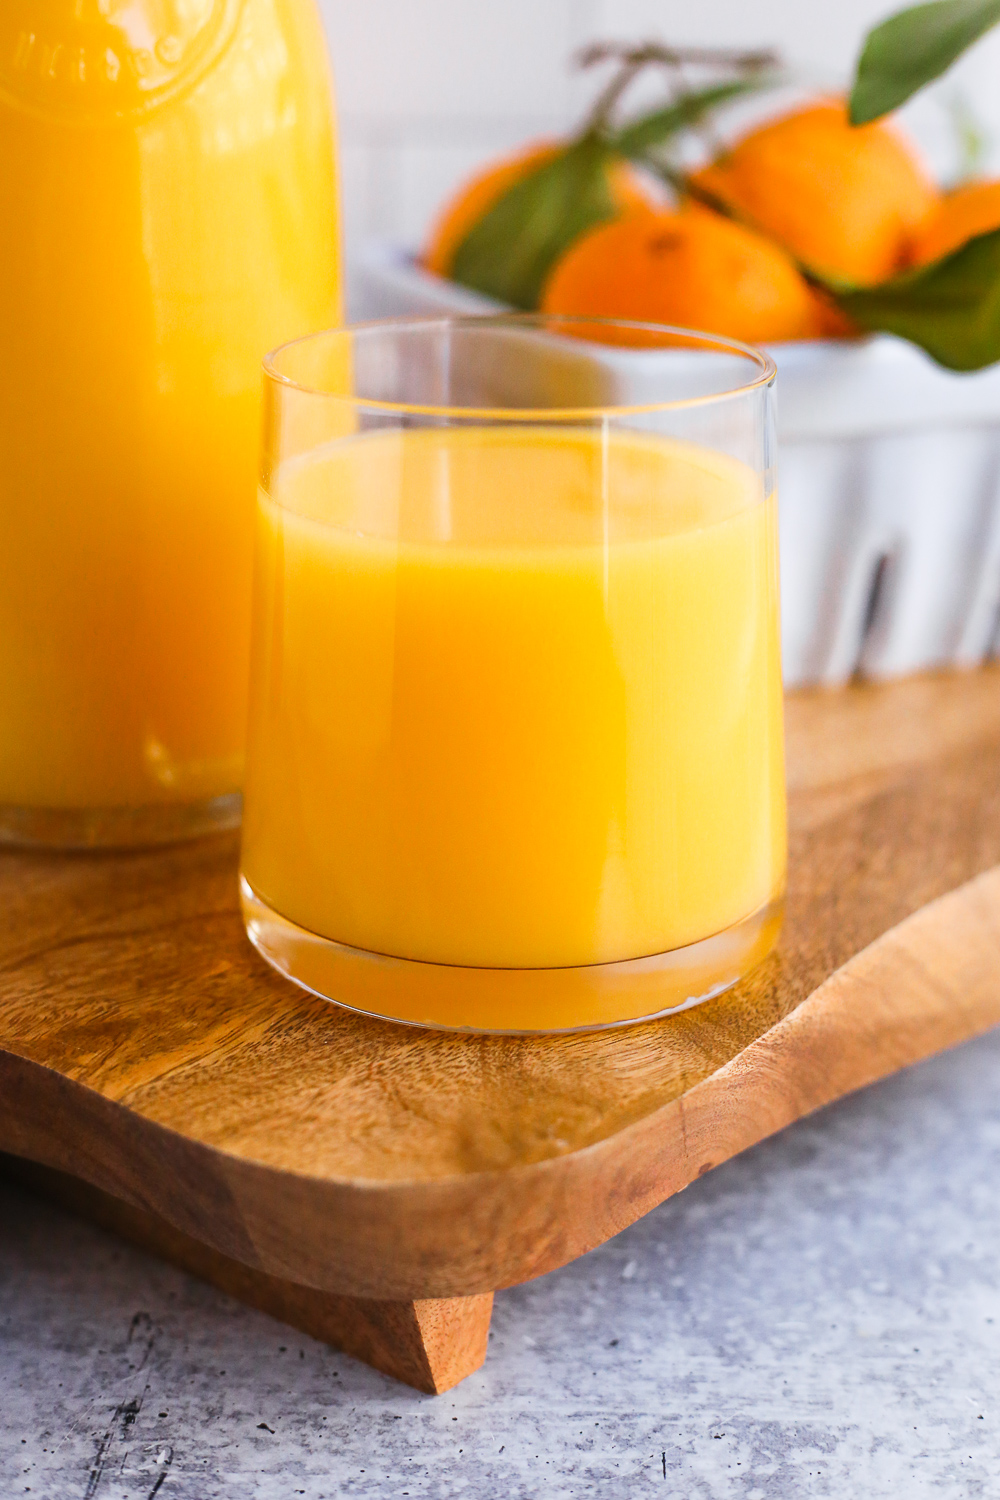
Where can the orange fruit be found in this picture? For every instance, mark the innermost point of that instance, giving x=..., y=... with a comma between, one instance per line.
x=477, y=196
x=968, y=211
x=845, y=201
x=693, y=268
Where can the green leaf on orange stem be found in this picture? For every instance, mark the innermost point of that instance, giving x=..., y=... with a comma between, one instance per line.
x=913, y=47
x=641, y=136
x=950, y=308
x=510, y=251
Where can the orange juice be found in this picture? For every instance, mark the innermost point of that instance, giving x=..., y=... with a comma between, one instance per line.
x=169, y=214
x=516, y=697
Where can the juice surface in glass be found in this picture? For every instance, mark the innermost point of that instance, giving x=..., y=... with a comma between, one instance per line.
x=516, y=697
x=169, y=214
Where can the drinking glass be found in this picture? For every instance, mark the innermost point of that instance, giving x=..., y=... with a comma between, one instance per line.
x=515, y=750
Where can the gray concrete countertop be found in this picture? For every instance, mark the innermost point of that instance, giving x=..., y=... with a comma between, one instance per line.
x=820, y=1317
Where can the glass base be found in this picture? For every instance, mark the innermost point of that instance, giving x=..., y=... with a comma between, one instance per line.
x=117, y=827
x=511, y=1001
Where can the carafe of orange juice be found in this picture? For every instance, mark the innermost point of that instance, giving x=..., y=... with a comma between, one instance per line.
x=169, y=214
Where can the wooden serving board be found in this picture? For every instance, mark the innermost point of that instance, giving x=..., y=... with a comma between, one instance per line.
x=374, y=1183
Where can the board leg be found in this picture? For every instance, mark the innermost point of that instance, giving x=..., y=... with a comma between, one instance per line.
x=430, y=1344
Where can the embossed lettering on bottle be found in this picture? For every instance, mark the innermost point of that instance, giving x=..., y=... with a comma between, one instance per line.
x=90, y=61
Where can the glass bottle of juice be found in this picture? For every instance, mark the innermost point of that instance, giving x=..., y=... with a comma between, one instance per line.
x=169, y=214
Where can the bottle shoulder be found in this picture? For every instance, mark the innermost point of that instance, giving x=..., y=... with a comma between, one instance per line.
x=102, y=61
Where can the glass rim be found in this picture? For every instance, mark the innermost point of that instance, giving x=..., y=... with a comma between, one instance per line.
x=766, y=370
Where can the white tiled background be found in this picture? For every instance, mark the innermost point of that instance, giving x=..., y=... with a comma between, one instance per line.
x=428, y=89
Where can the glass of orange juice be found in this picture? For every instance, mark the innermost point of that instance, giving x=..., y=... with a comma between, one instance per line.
x=515, y=751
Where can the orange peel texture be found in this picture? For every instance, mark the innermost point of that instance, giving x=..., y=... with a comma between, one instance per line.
x=845, y=201
x=970, y=210
x=692, y=268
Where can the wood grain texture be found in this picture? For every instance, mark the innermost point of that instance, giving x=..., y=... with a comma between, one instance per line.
x=430, y=1345
x=145, y=1048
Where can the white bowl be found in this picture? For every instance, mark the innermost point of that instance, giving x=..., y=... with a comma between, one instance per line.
x=889, y=488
